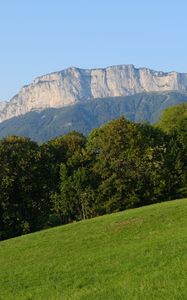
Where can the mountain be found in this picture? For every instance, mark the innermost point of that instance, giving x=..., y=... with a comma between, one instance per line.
x=84, y=116
x=75, y=85
x=2, y=105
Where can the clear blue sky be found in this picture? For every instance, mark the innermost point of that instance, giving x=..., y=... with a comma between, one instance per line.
x=42, y=36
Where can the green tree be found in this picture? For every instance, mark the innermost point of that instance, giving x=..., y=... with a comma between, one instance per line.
x=23, y=192
x=172, y=117
x=174, y=122
x=62, y=149
x=129, y=162
x=75, y=198
x=178, y=157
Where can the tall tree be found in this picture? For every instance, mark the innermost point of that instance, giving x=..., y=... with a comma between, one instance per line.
x=174, y=122
x=129, y=160
x=23, y=192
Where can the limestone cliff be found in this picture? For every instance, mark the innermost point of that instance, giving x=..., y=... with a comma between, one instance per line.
x=2, y=105
x=74, y=85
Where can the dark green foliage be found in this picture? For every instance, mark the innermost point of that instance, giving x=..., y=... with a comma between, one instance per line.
x=23, y=189
x=47, y=124
x=129, y=159
x=118, y=166
x=53, y=220
x=73, y=199
x=174, y=122
x=178, y=146
x=64, y=149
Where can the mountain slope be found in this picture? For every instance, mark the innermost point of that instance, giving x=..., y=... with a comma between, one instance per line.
x=136, y=254
x=75, y=85
x=83, y=117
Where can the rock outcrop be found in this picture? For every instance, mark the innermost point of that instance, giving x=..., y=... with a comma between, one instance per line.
x=2, y=105
x=74, y=85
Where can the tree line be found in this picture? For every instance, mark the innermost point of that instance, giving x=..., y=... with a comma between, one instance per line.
x=118, y=166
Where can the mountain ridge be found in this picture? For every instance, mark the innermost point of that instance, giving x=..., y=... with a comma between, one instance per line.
x=74, y=85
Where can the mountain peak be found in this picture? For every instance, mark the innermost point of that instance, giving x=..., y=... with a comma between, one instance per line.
x=72, y=85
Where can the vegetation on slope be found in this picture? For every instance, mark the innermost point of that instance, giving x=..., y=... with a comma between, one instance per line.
x=44, y=125
x=138, y=254
x=173, y=122
x=172, y=118
x=118, y=166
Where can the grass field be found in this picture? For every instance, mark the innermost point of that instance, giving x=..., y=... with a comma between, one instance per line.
x=137, y=254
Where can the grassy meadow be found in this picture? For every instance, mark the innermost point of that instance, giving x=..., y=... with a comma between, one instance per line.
x=138, y=254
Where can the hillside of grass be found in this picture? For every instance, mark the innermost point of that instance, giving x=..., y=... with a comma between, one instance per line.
x=136, y=254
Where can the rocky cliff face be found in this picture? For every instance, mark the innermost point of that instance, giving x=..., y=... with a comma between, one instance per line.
x=2, y=105
x=74, y=85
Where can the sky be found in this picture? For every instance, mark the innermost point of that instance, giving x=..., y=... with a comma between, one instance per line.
x=42, y=36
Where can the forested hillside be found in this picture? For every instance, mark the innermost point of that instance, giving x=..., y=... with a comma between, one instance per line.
x=43, y=125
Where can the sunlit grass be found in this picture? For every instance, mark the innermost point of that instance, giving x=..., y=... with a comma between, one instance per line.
x=136, y=254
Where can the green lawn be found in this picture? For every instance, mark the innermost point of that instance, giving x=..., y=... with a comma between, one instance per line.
x=137, y=254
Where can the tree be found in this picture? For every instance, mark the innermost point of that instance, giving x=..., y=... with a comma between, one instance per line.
x=75, y=198
x=23, y=192
x=172, y=117
x=64, y=149
x=178, y=157
x=174, y=122
x=129, y=160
